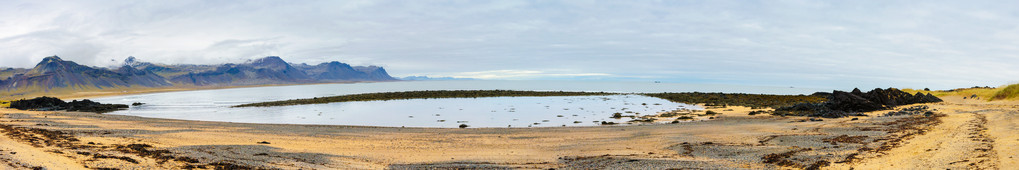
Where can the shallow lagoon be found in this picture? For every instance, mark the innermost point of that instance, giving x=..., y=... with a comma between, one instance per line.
x=213, y=105
x=476, y=112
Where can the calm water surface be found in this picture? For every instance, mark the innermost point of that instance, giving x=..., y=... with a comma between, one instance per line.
x=213, y=105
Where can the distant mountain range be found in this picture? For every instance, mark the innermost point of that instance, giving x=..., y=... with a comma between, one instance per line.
x=425, y=78
x=54, y=73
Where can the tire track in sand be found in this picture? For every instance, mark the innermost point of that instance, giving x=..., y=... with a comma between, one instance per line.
x=960, y=142
x=984, y=155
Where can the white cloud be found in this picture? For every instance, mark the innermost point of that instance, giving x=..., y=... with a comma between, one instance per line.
x=940, y=44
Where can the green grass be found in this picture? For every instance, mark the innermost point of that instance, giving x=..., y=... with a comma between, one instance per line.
x=421, y=95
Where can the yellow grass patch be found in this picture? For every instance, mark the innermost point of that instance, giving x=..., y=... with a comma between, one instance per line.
x=1007, y=92
x=983, y=93
x=1010, y=92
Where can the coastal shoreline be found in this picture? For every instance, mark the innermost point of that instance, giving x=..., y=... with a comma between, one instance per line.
x=732, y=140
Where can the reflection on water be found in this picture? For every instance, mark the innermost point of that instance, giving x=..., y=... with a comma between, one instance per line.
x=476, y=112
x=213, y=105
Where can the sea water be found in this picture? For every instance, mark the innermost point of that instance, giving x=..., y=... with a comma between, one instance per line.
x=214, y=105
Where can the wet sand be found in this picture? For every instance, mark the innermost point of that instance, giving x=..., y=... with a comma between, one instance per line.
x=964, y=134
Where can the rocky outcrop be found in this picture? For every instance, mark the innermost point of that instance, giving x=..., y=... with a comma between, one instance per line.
x=915, y=110
x=840, y=103
x=94, y=107
x=50, y=103
x=851, y=102
x=40, y=103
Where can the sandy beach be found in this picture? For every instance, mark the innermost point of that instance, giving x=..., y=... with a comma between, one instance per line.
x=963, y=134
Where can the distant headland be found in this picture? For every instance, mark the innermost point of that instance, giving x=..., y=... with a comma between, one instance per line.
x=55, y=75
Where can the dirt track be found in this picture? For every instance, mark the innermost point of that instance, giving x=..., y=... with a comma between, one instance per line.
x=973, y=136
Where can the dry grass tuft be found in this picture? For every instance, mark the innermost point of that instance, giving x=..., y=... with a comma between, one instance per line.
x=1008, y=92
x=983, y=93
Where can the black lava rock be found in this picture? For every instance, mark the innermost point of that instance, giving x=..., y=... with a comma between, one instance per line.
x=51, y=103
x=40, y=103
x=841, y=104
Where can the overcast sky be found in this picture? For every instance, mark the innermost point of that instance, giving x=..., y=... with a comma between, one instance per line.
x=828, y=44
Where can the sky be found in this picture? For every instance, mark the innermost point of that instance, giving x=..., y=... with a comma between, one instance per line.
x=822, y=44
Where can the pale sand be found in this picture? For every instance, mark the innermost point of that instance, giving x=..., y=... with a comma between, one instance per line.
x=19, y=155
x=731, y=140
x=973, y=136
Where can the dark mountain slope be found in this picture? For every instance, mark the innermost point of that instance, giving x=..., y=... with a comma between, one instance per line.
x=375, y=72
x=274, y=70
x=268, y=70
x=334, y=71
x=55, y=73
x=167, y=70
x=10, y=72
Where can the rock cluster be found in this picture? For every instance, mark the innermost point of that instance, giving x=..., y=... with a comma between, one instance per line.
x=40, y=103
x=915, y=110
x=841, y=104
x=51, y=103
x=95, y=107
